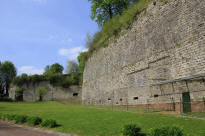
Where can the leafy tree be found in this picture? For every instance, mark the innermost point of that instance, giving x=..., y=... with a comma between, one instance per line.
x=47, y=68
x=88, y=40
x=103, y=10
x=72, y=67
x=81, y=60
x=7, y=73
x=54, y=69
x=41, y=93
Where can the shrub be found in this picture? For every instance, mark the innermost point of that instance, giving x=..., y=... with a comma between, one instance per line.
x=167, y=131
x=41, y=93
x=20, y=119
x=54, y=79
x=9, y=117
x=5, y=99
x=19, y=94
x=34, y=121
x=49, y=123
x=132, y=130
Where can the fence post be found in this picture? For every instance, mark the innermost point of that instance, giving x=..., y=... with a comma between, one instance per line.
x=147, y=105
x=180, y=103
x=204, y=102
x=127, y=103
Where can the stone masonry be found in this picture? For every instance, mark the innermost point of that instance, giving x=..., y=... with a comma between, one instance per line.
x=30, y=93
x=158, y=59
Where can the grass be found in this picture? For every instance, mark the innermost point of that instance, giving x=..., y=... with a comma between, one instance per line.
x=88, y=121
x=112, y=28
x=196, y=114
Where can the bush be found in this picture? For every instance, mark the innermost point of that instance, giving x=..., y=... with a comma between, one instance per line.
x=167, y=131
x=54, y=79
x=20, y=119
x=41, y=93
x=7, y=117
x=132, y=130
x=34, y=121
x=19, y=94
x=49, y=123
x=5, y=99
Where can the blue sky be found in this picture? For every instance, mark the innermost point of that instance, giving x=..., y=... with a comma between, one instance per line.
x=36, y=33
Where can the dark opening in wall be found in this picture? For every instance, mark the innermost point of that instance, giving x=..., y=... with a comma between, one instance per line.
x=109, y=99
x=135, y=98
x=156, y=95
x=75, y=94
x=120, y=99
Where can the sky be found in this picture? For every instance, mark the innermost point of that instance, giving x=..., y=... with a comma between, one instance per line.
x=36, y=33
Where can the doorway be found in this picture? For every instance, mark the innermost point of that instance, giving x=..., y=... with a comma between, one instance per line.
x=186, y=101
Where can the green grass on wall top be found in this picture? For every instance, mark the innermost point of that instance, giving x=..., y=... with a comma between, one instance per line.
x=113, y=27
x=87, y=121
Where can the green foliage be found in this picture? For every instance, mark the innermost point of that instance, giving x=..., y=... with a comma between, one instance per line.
x=81, y=60
x=54, y=79
x=113, y=27
x=167, y=131
x=5, y=99
x=49, y=123
x=34, y=121
x=20, y=80
x=54, y=69
x=19, y=94
x=7, y=117
x=7, y=73
x=37, y=78
x=132, y=130
x=165, y=1
x=20, y=119
x=104, y=10
x=72, y=67
x=41, y=93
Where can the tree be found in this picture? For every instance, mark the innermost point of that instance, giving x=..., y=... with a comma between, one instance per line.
x=7, y=73
x=81, y=60
x=88, y=40
x=54, y=69
x=103, y=10
x=72, y=67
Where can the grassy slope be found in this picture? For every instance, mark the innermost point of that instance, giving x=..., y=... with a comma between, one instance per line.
x=98, y=122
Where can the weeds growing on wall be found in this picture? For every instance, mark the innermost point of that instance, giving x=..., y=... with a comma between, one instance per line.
x=113, y=27
x=19, y=94
x=54, y=79
x=41, y=93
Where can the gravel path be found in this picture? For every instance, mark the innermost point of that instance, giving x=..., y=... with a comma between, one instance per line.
x=7, y=129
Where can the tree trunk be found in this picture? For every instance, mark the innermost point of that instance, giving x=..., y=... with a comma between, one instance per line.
x=110, y=12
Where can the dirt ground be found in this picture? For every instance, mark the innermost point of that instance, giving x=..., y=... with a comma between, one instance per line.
x=7, y=129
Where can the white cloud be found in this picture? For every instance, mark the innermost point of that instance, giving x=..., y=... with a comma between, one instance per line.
x=30, y=70
x=71, y=53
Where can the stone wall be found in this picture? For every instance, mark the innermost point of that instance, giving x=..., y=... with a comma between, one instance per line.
x=165, y=43
x=52, y=93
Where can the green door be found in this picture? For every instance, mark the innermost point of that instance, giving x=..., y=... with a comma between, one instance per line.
x=186, y=102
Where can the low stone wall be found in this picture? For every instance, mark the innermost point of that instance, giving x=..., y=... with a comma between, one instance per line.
x=52, y=93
